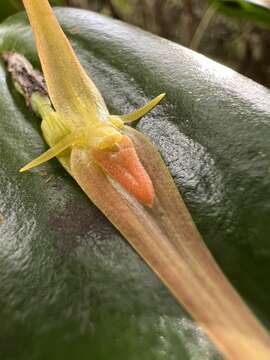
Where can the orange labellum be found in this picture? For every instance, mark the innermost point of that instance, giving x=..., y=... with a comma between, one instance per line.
x=123, y=164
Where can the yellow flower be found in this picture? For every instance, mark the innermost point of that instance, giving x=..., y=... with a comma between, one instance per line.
x=81, y=117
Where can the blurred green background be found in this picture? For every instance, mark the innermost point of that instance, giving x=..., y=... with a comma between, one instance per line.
x=235, y=33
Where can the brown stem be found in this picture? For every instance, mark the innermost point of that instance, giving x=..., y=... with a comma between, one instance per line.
x=26, y=79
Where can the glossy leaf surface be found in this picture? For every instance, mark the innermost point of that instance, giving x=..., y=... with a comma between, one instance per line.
x=212, y=133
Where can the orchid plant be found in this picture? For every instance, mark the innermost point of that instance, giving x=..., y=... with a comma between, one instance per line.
x=123, y=174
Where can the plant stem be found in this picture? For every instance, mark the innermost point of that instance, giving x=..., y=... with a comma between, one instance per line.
x=207, y=17
x=28, y=82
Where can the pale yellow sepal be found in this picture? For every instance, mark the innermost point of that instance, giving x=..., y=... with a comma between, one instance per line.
x=71, y=90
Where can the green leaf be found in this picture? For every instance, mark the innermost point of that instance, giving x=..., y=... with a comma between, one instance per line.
x=257, y=11
x=70, y=285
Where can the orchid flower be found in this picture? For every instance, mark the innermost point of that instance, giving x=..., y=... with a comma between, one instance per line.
x=124, y=175
x=81, y=117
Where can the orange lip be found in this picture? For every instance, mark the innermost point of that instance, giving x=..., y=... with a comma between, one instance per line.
x=122, y=163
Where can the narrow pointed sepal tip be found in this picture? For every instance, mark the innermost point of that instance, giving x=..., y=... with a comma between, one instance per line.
x=137, y=114
x=56, y=150
x=123, y=165
x=161, y=96
x=25, y=168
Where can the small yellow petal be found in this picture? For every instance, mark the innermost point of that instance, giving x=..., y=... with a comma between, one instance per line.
x=62, y=145
x=135, y=115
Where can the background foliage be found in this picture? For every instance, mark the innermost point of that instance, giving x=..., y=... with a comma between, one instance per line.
x=235, y=33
